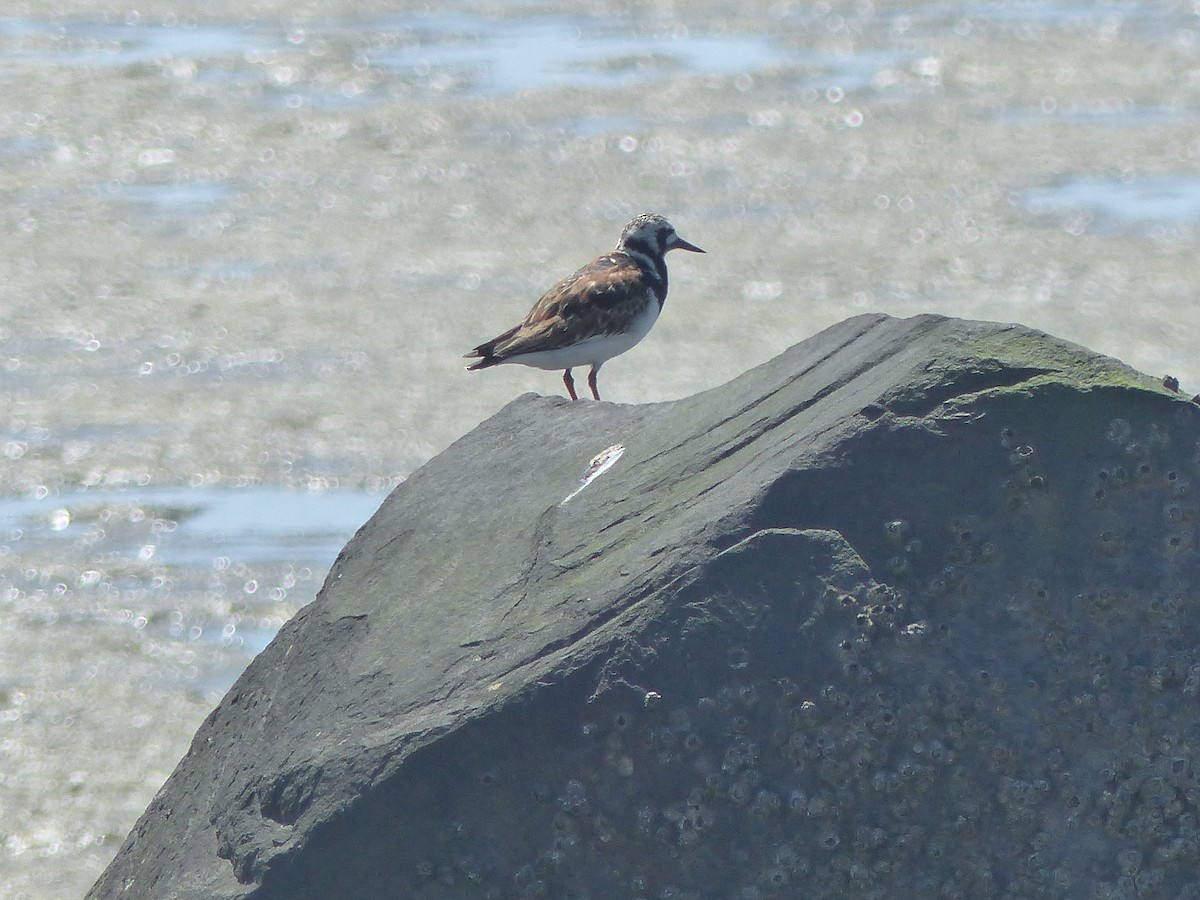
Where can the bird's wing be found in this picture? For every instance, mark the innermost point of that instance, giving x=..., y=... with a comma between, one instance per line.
x=593, y=301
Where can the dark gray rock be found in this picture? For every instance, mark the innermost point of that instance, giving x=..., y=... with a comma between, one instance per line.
x=910, y=610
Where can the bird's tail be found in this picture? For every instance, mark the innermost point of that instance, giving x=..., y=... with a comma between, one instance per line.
x=483, y=355
x=486, y=352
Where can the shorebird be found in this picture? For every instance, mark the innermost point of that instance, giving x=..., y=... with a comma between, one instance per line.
x=597, y=313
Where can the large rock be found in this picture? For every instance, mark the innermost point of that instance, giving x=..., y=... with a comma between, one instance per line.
x=910, y=610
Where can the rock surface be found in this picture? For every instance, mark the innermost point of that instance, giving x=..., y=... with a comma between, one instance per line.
x=910, y=610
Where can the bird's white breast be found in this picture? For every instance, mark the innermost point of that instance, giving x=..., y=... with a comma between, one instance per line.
x=594, y=351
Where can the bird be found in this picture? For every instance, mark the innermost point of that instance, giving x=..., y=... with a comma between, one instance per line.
x=598, y=312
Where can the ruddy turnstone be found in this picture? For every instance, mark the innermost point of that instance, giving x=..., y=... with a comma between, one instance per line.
x=597, y=313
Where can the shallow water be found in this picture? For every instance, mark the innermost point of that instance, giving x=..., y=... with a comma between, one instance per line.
x=187, y=526
x=1155, y=206
x=443, y=52
x=244, y=252
x=216, y=569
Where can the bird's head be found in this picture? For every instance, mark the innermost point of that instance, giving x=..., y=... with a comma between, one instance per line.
x=654, y=233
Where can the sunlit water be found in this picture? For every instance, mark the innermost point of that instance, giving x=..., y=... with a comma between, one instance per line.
x=188, y=526
x=1155, y=205
x=244, y=253
x=217, y=567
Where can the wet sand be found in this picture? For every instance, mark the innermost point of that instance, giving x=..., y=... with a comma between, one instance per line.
x=248, y=251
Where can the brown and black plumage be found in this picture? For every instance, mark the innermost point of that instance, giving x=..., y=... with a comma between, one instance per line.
x=598, y=312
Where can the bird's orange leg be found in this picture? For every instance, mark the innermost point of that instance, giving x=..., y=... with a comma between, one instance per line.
x=570, y=383
x=592, y=383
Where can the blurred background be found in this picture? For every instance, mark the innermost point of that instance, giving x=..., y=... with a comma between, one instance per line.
x=244, y=251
